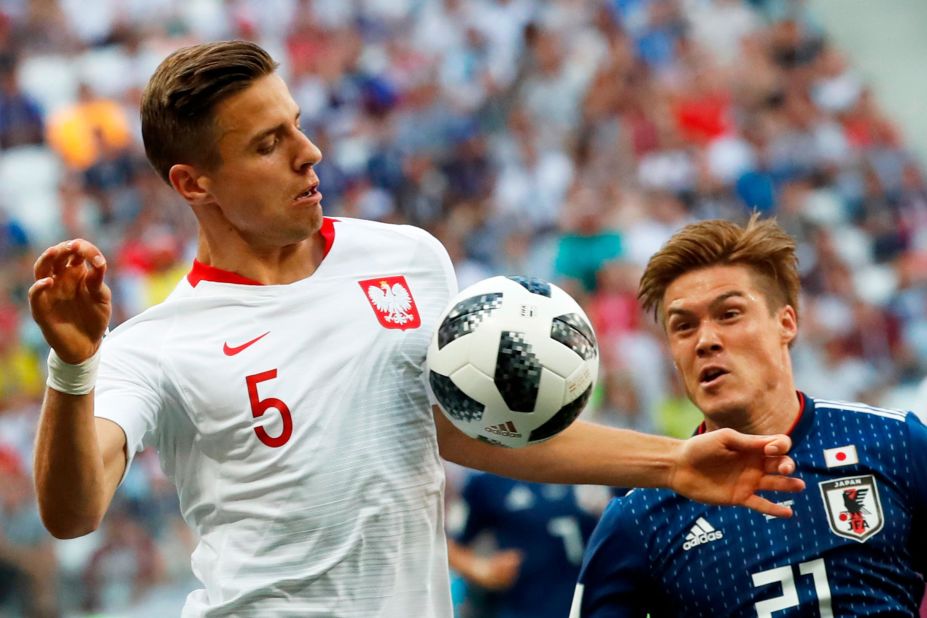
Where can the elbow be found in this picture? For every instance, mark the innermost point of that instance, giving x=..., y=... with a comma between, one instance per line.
x=70, y=527
x=70, y=531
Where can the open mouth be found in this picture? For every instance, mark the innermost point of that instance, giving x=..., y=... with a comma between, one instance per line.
x=710, y=374
x=309, y=192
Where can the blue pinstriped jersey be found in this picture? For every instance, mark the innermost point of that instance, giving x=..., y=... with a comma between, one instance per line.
x=856, y=546
x=548, y=524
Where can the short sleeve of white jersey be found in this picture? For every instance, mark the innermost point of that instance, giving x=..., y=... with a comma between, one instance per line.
x=432, y=244
x=127, y=390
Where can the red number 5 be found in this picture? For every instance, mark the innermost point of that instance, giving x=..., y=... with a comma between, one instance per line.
x=259, y=407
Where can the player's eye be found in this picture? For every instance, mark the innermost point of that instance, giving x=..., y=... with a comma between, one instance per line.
x=730, y=314
x=267, y=147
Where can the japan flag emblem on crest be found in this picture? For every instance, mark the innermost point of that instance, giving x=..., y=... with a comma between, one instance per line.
x=854, y=510
x=392, y=302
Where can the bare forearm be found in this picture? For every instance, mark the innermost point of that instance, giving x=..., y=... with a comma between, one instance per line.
x=583, y=454
x=69, y=470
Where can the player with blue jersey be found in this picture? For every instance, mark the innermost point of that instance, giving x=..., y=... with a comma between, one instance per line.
x=857, y=546
x=547, y=525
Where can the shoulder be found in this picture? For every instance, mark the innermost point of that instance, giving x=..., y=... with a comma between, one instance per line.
x=829, y=406
x=149, y=325
x=395, y=243
x=399, y=233
x=904, y=424
x=637, y=507
x=146, y=334
x=617, y=552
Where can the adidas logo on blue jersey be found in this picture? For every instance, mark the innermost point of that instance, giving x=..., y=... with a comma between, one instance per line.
x=702, y=532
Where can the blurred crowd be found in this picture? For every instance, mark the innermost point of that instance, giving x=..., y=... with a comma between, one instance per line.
x=564, y=139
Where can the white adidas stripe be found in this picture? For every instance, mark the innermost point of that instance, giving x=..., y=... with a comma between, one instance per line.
x=701, y=527
x=842, y=406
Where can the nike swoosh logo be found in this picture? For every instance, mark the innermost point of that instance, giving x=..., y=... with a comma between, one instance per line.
x=230, y=351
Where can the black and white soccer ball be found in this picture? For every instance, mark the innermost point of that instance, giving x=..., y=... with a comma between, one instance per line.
x=513, y=361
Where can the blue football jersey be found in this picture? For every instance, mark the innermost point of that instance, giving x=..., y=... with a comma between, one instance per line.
x=546, y=523
x=856, y=545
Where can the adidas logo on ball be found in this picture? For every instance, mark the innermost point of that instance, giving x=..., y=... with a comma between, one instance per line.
x=506, y=429
x=512, y=349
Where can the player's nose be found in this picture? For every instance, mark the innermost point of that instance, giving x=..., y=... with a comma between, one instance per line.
x=708, y=340
x=308, y=154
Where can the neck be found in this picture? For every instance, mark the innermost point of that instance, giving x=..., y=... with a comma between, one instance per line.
x=267, y=265
x=776, y=412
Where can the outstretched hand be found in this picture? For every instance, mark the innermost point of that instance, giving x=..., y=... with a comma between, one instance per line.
x=69, y=300
x=728, y=467
x=497, y=571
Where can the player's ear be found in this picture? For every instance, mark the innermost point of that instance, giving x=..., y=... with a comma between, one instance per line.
x=788, y=324
x=190, y=184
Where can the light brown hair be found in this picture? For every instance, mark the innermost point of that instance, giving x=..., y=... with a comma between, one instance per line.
x=178, y=124
x=762, y=245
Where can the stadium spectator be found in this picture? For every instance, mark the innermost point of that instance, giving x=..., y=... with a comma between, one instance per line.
x=520, y=545
x=325, y=45
x=727, y=297
x=27, y=557
x=125, y=566
x=84, y=133
x=21, y=121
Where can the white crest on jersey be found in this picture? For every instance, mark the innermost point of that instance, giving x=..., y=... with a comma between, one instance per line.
x=394, y=301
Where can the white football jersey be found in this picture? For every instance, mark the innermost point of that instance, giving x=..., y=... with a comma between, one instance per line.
x=294, y=421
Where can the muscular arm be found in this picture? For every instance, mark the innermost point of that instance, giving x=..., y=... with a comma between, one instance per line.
x=583, y=454
x=720, y=467
x=79, y=461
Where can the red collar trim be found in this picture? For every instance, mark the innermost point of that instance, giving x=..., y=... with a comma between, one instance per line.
x=205, y=272
x=328, y=234
x=801, y=411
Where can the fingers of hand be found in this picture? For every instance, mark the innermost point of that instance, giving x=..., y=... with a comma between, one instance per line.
x=767, y=507
x=37, y=293
x=779, y=465
x=94, y=282
x=779, y=445
x=70, y=254
x=781, y=483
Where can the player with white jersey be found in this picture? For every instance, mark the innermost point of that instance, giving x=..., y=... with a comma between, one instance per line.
x=727, y=299
x=282, y=382
x=304, y=408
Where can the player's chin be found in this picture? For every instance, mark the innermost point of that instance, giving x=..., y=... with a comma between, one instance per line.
x=723, y=409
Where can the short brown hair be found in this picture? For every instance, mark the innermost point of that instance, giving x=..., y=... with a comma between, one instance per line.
x=178, y=102
x=762, y=245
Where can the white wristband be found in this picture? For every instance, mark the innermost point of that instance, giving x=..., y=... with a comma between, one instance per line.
x=70, y=379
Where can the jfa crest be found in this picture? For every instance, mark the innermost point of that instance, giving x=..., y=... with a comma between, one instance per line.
x=853, y=507
x=392, y=301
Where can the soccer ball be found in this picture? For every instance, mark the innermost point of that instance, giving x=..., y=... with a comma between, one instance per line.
x=513, y=361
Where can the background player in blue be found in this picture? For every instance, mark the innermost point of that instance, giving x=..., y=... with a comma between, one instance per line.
x=727, y=298
x=539, y=531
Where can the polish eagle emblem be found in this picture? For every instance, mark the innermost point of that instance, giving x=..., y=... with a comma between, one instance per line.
x=392, y=301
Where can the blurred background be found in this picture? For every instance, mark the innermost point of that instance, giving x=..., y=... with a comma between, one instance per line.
x=564, y=139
